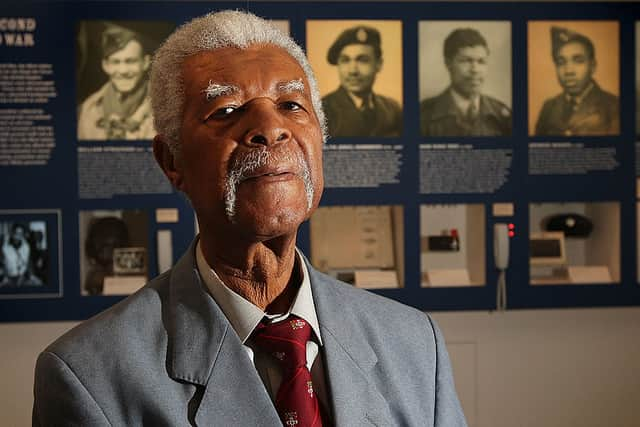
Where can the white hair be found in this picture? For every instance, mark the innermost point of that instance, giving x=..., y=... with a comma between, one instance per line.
x=247, y=163
x=210, y=32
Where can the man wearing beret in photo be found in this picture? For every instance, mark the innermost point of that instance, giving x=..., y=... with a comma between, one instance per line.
x=462, y=109
x=120, y=109
x=243, y=331
x=354, y=109
x=583, y=108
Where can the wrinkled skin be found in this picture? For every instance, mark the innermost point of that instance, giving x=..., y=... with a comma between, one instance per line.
x=252, y=251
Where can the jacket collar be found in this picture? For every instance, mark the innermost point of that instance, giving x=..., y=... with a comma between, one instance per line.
x=349, y=358
x=204, y=350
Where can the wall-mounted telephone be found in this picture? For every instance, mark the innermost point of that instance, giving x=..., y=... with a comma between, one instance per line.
x=501, y=258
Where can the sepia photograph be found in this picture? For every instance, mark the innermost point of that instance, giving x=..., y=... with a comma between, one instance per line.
x=465, y=78
x=114, y=251
x=574, y=78
x=358, y=65
x=112, y=65
x=373, y=256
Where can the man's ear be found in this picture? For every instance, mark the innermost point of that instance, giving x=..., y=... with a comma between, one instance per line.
x=169, y=163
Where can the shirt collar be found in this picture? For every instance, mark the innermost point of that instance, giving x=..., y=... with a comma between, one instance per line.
x=579, y=98
x=361, y=103
x=243, y=315
x=463, y=103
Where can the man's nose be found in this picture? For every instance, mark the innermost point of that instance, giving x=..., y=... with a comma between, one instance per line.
x=265, y=124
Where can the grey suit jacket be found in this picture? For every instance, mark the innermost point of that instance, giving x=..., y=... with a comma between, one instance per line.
x=167, y=356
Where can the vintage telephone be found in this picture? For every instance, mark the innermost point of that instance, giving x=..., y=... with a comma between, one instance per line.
x=501, y=258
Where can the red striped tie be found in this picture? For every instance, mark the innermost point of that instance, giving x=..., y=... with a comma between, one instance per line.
x=296, y=402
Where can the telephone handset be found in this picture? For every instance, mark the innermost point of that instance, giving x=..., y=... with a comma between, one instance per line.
x=501, y=258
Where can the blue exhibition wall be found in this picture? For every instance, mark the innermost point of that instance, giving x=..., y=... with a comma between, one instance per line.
x=443, y=195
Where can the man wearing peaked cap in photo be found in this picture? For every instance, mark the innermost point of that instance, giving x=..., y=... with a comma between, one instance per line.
x=354, y=109
x=243, y=331
x=462, y=109
x=583, y=108
x=120, y=109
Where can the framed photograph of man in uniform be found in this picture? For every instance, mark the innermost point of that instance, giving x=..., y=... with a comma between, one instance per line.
x=112, y=64
x=574, y=78
x=465, y=78
x=358, y=65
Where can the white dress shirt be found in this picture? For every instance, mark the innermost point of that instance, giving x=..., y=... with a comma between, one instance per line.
x=463, y=103
x=244, y=316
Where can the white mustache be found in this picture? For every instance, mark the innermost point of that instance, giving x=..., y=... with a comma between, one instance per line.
x=245, y=165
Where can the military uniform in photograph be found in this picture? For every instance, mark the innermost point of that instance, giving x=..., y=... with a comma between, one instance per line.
x=597, y=113
x=354, y=109
x=102, y=116
x=440, y=116
x=383, y=118
x=583, y=107
x=109, y=113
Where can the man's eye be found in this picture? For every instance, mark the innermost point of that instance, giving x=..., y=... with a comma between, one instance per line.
x=291, y=106
x=222, y=112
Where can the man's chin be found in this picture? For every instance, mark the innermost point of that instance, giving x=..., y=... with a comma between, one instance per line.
x=270, y=225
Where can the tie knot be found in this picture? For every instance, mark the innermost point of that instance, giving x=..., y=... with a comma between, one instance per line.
x=285, y=340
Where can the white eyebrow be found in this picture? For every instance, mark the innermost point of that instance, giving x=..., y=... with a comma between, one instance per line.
x=291, y=86
x=214, y=90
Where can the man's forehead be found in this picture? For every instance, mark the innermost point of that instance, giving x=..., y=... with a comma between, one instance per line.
x=474, y=50
x=234, y=68
x=353, y=49
x=573, y=48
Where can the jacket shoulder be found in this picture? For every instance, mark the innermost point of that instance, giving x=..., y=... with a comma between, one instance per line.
x=368, y=306
x=435, y=102
x=496, y=107
x=118, y=326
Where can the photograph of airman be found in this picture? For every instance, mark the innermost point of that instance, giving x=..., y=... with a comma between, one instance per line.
x=585, y=59
x=113, y=59
x=465, y=78
x=358, y=101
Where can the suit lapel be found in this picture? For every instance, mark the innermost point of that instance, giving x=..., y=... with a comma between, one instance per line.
x=349, y=359
x=204, y=350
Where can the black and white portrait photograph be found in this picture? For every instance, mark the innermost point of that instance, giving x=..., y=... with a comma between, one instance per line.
x=574, y=78
x=465, y=78
x=30, y=254
x=114, y=251
x=24, y=260
x=359, y=71
x=112, y=65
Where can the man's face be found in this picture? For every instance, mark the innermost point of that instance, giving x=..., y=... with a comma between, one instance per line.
x=468, y=69
x=17, y=236
x=127, y=66
x=574, y=67
x=251, y=144
x=357, y=68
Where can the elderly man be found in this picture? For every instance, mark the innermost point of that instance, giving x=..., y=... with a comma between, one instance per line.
x=353, y=109
x=582, y=108
x=120, y=109
x=462, y=109
x=243, y=331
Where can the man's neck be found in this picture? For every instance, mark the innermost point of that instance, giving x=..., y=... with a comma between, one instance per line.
x=361, y=100
x=263, y=273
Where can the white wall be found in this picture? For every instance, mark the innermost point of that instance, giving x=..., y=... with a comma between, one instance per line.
x=548, y=368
